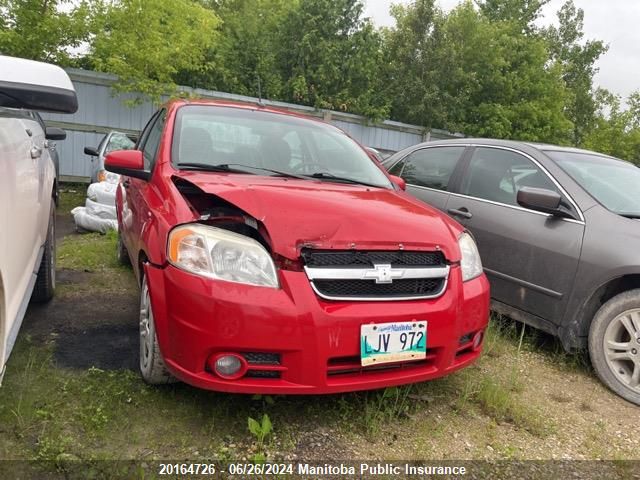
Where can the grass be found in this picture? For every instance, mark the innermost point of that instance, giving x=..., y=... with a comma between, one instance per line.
x=51, y=413
x=71, y=195
x=89, y=252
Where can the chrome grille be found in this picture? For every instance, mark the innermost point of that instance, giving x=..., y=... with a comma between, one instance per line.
x=376, y=275
x=369, y=258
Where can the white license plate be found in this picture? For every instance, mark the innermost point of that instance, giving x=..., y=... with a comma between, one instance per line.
x=393, y=342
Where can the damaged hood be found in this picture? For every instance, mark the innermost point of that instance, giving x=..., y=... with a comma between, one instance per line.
x=323, y=215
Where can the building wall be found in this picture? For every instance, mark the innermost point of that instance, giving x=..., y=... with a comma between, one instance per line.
x=102, y=109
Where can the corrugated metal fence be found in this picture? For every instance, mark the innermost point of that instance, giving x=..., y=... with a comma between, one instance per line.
x=102, y=109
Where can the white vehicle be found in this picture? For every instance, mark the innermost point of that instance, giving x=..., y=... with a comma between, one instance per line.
x=27, y=188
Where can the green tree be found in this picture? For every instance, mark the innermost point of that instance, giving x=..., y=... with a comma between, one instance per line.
x=45, y=30
x=247, y=50
x=414, y=58
x=330, y=57
x=521, y=13
x=472, y=73
x=577, y=59
x=147, y=42
x=616, y=130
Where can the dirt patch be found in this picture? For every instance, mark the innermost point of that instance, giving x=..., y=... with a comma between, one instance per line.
x=64, y=226
x=100, y=330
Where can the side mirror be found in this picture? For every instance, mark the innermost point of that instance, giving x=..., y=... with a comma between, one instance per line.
x=36, y=86
x=91, y=151
x=541, y=200
x=53, y=133
x=129, y=163
x=399, y=182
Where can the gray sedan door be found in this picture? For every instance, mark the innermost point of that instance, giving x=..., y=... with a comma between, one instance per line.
x=530, y=257
x=428, y=172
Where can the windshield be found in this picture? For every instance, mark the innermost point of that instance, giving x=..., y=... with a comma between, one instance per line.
x=612, y=182
x=263, y=141
x=119, y=141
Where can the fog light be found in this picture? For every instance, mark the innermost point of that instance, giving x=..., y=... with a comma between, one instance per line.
x=477, y=339
x=229, y=366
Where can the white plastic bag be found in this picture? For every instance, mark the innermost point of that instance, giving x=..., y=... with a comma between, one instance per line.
x=101, y=211
x=103, y=192
x=85, y=221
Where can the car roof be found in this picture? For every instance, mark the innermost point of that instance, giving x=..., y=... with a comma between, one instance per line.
x=246, y=106
x=542, y=147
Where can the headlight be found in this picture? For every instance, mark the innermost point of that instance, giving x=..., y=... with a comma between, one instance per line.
x=470, y=261
x=222, y=255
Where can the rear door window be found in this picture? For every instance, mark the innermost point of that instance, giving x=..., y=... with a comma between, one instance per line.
x=429, y=167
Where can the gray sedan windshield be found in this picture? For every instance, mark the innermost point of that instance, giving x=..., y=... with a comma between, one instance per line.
x=611, y=182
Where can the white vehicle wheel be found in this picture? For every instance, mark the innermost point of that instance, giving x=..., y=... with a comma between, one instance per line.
x=46, y=280
x=152, y=365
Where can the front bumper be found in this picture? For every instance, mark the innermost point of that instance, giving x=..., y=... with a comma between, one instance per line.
x=316, y=342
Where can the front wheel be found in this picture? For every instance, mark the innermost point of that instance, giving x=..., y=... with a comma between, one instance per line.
x=614, y=345
x=152, y=366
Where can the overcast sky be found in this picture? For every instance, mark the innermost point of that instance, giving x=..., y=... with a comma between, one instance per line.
x=616, y=22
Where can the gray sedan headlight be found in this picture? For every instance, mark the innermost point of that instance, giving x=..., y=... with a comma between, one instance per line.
x=221, y=255
x=470, y=262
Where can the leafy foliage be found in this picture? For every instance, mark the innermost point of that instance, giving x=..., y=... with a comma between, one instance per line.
x=485, y=68
x=46, y=30
x=466, y=72
x=576, y=59
x=616, y=129
x=146, y=42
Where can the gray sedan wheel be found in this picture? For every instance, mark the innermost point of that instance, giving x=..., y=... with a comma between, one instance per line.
x=614, y=345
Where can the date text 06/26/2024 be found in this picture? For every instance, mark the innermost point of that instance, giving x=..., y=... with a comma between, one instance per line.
x=249, y=469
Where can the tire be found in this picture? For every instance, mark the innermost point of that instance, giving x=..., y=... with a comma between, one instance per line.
x=614, y=345
x=152, y=366
x=46, y=281
x=122, y=253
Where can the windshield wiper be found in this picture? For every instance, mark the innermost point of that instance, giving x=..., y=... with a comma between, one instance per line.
x=211, y=168
x=336, y=178
x=629, y=215
x=275, y=172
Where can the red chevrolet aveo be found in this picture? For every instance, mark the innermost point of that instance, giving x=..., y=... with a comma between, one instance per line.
x=275, y=256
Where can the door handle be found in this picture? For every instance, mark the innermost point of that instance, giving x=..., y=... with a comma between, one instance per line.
x=36, y=152
x=462, y=212
x=126, y=183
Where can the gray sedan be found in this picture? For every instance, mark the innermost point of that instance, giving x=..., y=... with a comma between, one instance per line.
x=110, y=142
x=558, y=232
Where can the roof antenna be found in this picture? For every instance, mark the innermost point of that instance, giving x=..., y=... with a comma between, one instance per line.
x=260, y=92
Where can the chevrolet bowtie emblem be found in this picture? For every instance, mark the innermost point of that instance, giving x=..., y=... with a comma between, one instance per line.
x=383, y=274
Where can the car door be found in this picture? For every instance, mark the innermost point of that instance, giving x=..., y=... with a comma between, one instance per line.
x=136, y=190
x=429, y=171
x=530, y=257
x=21, y=148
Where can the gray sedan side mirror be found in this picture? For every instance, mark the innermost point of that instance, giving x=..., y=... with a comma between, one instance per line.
x=91, y=151
x=542, y=200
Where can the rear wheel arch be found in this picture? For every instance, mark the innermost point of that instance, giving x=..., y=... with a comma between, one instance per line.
x=55, y=193
x=575, y=335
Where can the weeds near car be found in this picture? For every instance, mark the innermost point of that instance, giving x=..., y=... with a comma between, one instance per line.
x=260, y=430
